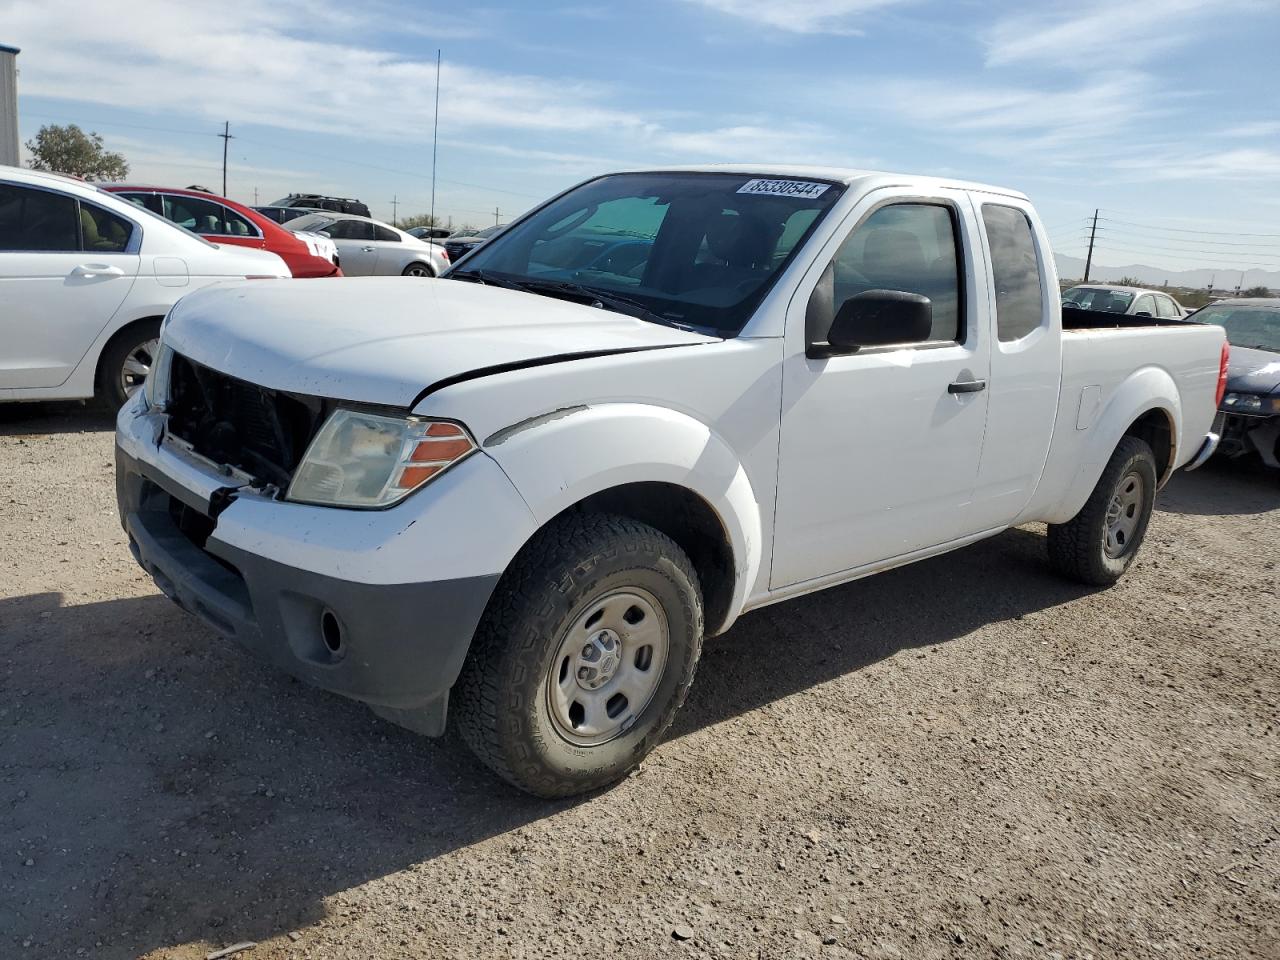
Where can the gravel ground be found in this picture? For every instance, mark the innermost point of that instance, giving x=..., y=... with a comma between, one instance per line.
x=967, y=757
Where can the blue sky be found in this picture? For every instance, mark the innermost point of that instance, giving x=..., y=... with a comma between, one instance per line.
x=1162, y=112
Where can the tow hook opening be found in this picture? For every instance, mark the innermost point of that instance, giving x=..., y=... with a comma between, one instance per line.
x=331, y=632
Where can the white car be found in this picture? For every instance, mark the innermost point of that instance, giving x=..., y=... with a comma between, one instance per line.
x=85, y=278
x=1128, y=301
x=654, y=403
x=368, y=247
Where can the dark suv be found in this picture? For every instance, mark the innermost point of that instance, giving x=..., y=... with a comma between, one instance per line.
x=315, y=201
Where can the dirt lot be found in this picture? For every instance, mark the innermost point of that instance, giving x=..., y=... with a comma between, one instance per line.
x=967, y=757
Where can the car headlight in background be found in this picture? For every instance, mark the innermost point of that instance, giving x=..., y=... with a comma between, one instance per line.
x=370, y=460
x=1250, y=403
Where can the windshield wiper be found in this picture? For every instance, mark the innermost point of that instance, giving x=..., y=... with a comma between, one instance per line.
x=488, y=279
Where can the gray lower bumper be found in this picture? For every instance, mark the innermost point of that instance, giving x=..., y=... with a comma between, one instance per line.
x=397, y=647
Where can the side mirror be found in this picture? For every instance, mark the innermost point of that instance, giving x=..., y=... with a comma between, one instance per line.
x=1143, y=313
x=875, y=318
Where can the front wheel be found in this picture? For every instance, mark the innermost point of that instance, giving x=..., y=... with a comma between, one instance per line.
x=1098, y=544
x=418, y=270
x=585, y=654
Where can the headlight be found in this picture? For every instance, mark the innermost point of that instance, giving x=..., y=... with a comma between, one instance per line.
x=156, y=387
x=367, y=460
x=1250, y=403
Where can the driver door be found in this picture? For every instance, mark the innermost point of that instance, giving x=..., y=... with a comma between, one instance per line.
x=880, y=448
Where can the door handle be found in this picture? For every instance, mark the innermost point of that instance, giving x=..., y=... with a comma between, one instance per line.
x=367, y=249
x=967, y=386
x=91, y=270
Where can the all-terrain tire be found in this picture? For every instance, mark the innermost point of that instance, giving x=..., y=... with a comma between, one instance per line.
x=1078, y=548
x=502, y=700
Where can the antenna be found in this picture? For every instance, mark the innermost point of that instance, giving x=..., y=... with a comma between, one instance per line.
x=226, y=140
x=435, y=141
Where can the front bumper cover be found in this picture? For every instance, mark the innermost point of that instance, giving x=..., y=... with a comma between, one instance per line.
x=397, y=647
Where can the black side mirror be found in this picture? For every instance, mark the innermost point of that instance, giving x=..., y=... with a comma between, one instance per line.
x=875, y=318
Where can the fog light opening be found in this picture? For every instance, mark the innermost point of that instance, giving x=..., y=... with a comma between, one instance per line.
x=331, y=632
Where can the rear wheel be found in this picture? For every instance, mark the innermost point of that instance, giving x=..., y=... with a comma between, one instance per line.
x=126, y=363
x=418, y=270
x=1098, y=544
x=585, y=654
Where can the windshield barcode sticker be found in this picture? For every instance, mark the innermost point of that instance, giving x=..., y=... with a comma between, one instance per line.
x=804, y=189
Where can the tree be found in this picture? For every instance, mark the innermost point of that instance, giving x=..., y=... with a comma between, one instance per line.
x=419, y=220
x=1256, y=292
x=72, y=151
x=1129, y=282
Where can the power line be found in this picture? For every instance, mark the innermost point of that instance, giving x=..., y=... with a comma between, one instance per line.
x=1180, y=240
x=1212, y=233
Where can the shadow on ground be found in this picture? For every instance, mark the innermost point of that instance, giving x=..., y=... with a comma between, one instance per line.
x=62, y=416
x=169, y=787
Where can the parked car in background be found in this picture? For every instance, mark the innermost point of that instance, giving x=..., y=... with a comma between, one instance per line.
x=225, y=221
x=522, y=501
x=462, y=244
x=318, y=201
x=284, y=214
x=85, y=278
x=368, y=247
x=1249, y=416
x=1133, y=301
x=429, y=233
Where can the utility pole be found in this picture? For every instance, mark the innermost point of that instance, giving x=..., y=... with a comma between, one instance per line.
x=395, y=209
x=255, y=196
x=226, y=140
x=496, y=216
x=435, y=141
x=1093, y=232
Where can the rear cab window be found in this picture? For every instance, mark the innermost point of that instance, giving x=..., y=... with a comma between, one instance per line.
x=1015, y=272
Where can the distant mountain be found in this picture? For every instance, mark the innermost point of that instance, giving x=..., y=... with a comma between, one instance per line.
x=1072, y=268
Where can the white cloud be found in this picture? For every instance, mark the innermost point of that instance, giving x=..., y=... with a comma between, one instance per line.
x=1105, y=34
x=800, y=16
x=1257, y=128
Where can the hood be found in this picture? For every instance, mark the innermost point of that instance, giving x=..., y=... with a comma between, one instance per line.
x=1253, y=371
x=386, y=340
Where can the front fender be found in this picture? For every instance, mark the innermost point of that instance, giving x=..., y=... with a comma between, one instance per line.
x=558, y=460
x=1146, y=389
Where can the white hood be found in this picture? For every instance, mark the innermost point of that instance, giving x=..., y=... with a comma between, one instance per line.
x=386, y=339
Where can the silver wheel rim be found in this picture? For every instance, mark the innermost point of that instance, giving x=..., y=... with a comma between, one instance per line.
x=418, y=270
x=607, y=666
x=137, y=366
x=1124, y=513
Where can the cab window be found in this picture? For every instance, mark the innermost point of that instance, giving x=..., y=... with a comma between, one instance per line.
x=910, y=247
x=1145, y=305
x=382, y=233
x=1166, y=309
x=1015, y=270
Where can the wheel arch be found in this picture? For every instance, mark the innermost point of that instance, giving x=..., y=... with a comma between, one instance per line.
x=654, y=465
x=116, y=336
x=1146, y=405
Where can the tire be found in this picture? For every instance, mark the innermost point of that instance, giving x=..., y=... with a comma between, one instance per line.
x=417, y=269
x=1098, y=544
x=126, y=362
x=553, y=630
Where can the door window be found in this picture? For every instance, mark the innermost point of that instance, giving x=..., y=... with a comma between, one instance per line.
x=350, y=230
x=1015, y=269
x=1166, y=309
x=1145, y=305
x=103, y=230
x=37, y=220
x=382, y=233
x=904, y=246
x=206, y=217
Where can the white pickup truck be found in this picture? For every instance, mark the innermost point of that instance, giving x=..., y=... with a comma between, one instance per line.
x=524, y=493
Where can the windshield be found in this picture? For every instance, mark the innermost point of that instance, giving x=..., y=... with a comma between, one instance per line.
x=695, y=249
x=1097, y=298
x=1251, y=326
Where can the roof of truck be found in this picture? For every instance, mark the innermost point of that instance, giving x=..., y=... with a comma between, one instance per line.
x=838, y=174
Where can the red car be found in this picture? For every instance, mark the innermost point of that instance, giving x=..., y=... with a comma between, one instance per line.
x=224, y=221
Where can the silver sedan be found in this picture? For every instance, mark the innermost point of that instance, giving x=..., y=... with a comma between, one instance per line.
x=369, y=247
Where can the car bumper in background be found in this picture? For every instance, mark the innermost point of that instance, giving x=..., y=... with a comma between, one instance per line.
x=1242, y=434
